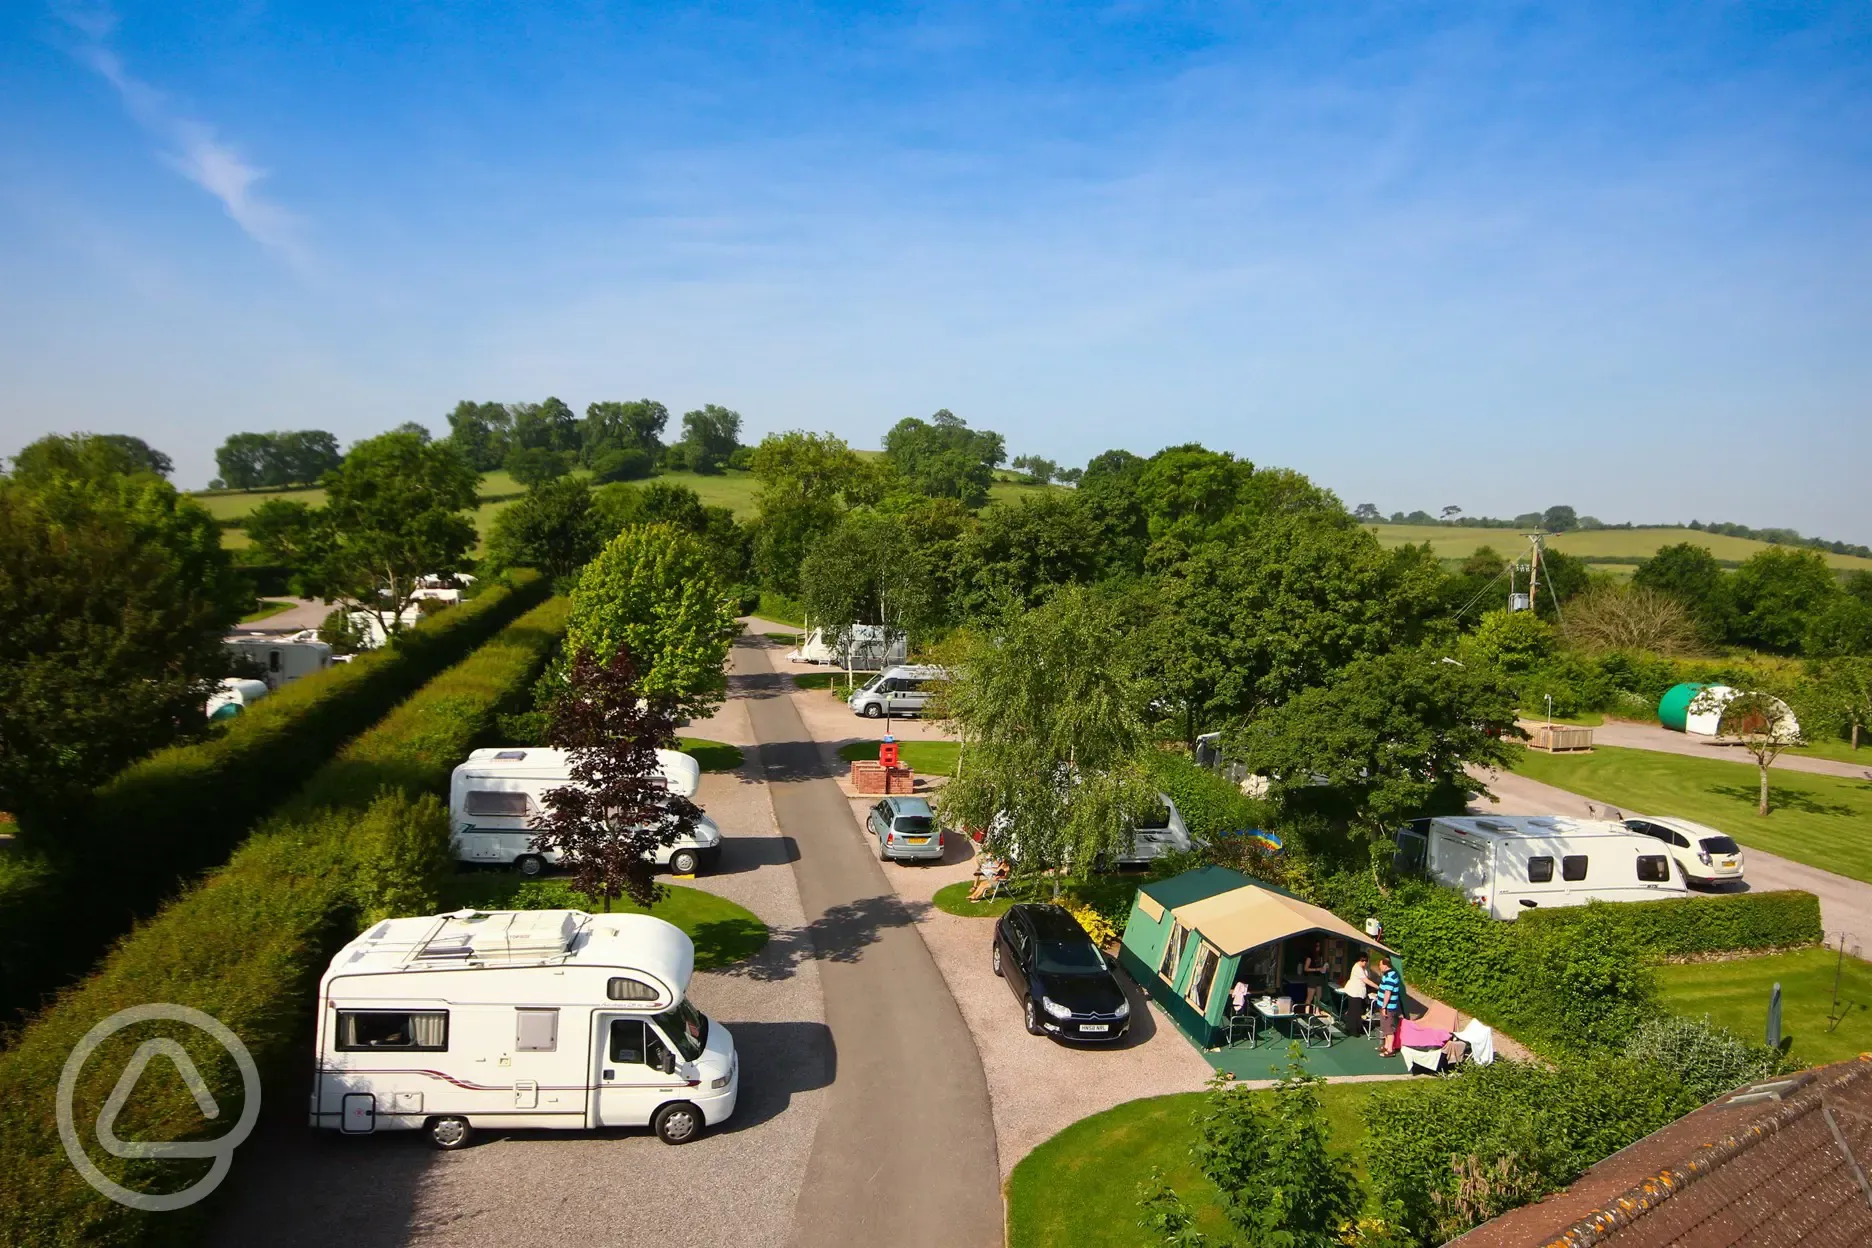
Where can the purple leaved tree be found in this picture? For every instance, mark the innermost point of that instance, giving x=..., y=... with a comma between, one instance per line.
x=617, y=811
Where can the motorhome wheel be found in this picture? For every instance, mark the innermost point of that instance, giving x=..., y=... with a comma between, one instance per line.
x=683, y=862
x=529, y=864
x=678, y=1123
x=873, y=711
x=450, y=1133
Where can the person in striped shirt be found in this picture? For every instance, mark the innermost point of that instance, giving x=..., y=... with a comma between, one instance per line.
x=1390, y=1005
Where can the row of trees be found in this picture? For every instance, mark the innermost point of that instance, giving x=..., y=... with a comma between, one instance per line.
x=255, y=461
x=616, y=441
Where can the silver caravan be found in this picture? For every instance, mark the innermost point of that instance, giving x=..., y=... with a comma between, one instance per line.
x=518, y=1019
x=865, y=647
x=282, y=659
x=1507, y=864
x=497, y=796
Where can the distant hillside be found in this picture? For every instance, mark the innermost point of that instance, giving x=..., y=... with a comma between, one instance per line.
x=1598, y=546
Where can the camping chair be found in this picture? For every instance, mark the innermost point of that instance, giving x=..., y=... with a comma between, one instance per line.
x=1317, y=1031
x=1248, y=1019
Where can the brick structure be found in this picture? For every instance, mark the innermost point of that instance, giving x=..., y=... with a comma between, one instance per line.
x=872, y=777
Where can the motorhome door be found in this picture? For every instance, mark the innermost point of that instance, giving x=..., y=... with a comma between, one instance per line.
x=628, y=1080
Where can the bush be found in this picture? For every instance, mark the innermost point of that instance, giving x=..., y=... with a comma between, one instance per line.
x=1710, y=1060
x=183, y=809
x=1211, y=806
x=245, y=945
x=632, y=464
x=401, y=848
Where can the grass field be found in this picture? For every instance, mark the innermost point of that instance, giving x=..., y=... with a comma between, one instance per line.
x=932, y=758
x=710, y=755
x=1455, y=543
x=723, y=932
x=1818, y=820
x=1735, y=994
x=1080, y=1187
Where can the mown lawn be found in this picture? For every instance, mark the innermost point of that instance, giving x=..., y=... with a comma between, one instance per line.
x=1818, y=820
x=1453, y=542
x=1080, y=1187
x=953, y=899
x=932, y=758
x=1735, y=994
x=723, y=932
x=833, y=679
x=710, y=755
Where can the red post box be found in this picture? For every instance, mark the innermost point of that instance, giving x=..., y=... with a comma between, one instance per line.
x=887, y=752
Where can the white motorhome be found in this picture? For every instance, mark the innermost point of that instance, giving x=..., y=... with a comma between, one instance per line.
x=900, y=690
x=499, y=794
x=283, y=658
x=1506, y=864
x=866, y=647
x=514, y=1020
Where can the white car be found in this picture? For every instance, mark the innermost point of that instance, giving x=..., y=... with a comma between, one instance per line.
x=1703, y=855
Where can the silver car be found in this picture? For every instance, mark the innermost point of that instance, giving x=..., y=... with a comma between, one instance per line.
x=906, y=830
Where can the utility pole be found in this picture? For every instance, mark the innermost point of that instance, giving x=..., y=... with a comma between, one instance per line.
x=1533, y=593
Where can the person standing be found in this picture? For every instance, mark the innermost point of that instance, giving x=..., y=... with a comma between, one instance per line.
x=1390, y=1005
x=1358, y=987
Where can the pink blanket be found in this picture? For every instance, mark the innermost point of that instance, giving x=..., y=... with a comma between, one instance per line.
x=1415, y=1036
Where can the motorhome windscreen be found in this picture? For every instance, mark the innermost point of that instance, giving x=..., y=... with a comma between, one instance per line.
x=870, y=686
x=1157, y=818
x=687, y=1027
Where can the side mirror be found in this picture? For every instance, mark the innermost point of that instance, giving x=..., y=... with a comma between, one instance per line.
x=666, y=1062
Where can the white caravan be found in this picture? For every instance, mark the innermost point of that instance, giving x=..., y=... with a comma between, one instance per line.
x=371, y=634
x=1507, y=864
x=498, y=795
x=867, y=647
x=233, y=696
x=283, y=658
x=516, y=1020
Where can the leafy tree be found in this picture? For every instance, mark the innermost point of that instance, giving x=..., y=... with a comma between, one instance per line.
x=1165, y=1215
x=653, y=591
x=1690, y=574
x=114, y=596
x=243, y=460
x=1843, y=626
x=625, y=465
x=555, y=528
x=535, y=465
x=88, y=455
x=1038, y=470
x=661, y=502
x=1561, y=519
x=867, y=571
x=1188, y=491
x=1025, y=549
x=1561, y=577
x=806, y=481
x=622, y=427
x=1386, y=741
x=1272, y=1163
x=710, y=436
x=1069, y=476
x=1776, y=592
x=1367, y=513
x=393, y=513
x=1845, y=688
x=1511, y=642
x=1761, y=721
x=943, y=458
x=415, y=429
x=1858, y=586
x=1111, y=493
x=482, y=433
x=548, y=426
x=287, y=457
x=617, y=812
x=1048, y=713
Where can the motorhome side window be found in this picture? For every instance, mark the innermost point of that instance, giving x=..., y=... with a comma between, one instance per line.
x=1653, y=868
x=1539, y=870
x=624, y=988
x=422, y=1031
x=1573, y=867
x=490, y=802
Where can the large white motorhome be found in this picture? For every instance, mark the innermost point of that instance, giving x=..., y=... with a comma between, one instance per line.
x=1506, y=864
x=865, y=647
x=282, y=658
x=518, y=1019
x=497, y=796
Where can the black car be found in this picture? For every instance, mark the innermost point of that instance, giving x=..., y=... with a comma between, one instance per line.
x=1059, y=975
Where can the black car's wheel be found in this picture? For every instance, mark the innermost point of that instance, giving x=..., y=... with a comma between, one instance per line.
x=996, y=963
x=677, y=1123
x=529, y=864
x=1033, y=1020
x=873, y=711
x=448, y=1134
x=683, y=862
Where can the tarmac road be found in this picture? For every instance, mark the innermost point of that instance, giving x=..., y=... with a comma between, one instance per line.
x=905, y=1148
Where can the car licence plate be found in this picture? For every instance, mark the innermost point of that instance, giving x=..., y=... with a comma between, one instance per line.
x=916, y=840
x=1094, y=1026
x=1728, y=862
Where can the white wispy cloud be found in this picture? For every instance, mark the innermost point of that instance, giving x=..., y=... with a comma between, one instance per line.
x=189, y=146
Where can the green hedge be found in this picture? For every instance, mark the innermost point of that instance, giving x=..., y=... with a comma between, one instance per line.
x=1687, y=926
x=167, y=818
x=246, y=945
x=1211, y=805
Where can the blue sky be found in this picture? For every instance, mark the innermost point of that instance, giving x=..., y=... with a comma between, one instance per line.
x=1501, y=257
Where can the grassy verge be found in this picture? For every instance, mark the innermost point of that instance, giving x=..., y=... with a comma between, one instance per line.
x=784, y=639
x=1110, y=895
x=1080, y=1187
x=710, y=755
x=264, y=610
x=833, y=679
x=953, y=899
x=1735, y=994
x=723, y=932
x=1839, y=751
x=1818, y=820
x=931, y=758
x=245, y=945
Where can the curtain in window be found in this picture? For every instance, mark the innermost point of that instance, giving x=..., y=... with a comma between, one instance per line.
x=429, y=1031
